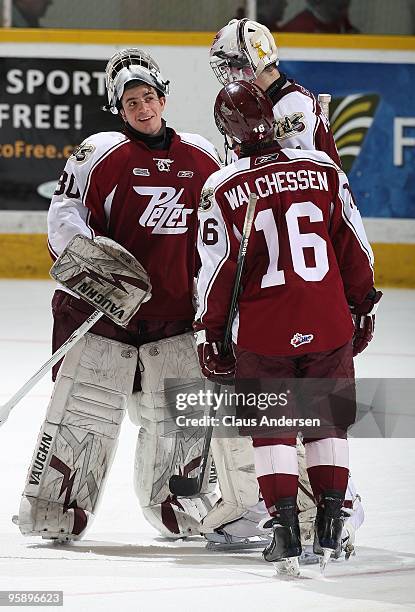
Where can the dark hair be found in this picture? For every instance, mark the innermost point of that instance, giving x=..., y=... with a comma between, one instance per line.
x=135, y=83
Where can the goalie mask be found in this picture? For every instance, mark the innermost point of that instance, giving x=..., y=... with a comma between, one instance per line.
x=242, y=50
x=243, y=112
x=131, y=65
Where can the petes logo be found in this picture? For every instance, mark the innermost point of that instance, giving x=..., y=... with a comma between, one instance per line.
x=263, y=159
x=163, y=164
x=82, y=153
x=141, y=171
x=164, y=212
x=299, y=339
x=289, y=125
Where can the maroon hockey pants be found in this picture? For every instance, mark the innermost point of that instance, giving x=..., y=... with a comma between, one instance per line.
x=276, y=458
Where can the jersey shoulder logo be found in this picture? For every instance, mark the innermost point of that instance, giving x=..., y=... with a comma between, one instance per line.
x=82, y=152
x=289, y=125
x=299, y=339
x=163, y=164
x=185, y=174
x=164, y=213
x=206, y=200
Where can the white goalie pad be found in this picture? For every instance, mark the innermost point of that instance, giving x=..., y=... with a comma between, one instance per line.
x=239, y=512
x=105, y=275
x=78, y=439
x=163, y=448
x=234, y=462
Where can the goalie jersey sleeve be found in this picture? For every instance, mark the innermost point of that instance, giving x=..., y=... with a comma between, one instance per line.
x=307, y=258
x=144, y=199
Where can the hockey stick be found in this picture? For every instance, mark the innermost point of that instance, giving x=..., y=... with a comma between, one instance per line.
x=181, y=485
x=62, y=350
x=324, y=101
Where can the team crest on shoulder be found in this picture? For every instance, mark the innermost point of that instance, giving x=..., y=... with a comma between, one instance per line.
x=299, y=339
x=206, y=200
x=82, y=152
x=290, y=125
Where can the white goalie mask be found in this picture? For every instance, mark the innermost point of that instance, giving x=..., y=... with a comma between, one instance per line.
x=242, y=50
x=131, y=65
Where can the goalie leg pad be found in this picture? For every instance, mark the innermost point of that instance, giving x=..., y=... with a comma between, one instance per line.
x=78, y=439
x=234, y=462
x=163, y=448
x=237, y=515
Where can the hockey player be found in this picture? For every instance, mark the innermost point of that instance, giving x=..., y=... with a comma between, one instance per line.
x=246, y=50
x=308, y=266
x=140, y=187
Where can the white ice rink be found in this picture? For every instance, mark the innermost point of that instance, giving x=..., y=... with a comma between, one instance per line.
x=123, y=565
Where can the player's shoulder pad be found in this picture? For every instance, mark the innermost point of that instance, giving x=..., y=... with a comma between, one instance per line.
x=202, y=144
x=96, y=146
x=216, y=179
x=310, y=155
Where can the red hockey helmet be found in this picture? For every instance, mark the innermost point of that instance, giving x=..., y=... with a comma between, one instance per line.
x=243, y=112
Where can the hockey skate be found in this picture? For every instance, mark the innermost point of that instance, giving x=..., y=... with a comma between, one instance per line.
x=329, y=527
x=241, y=534
x=285, y=548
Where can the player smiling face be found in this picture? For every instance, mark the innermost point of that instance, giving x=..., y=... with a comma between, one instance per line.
x=142, y=108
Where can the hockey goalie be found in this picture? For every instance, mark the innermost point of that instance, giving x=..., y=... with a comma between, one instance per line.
x=139, y=188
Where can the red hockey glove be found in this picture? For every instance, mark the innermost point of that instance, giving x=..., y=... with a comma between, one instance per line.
x=215, y=366
x=364, y=321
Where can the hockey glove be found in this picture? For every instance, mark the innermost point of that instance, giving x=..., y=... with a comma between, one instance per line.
x=215, y=366
x=364, y=320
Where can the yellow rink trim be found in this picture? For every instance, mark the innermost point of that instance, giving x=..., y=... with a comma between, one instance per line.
x=24, y=256
x=394, y=264
x=202, y=39
x=27, y=256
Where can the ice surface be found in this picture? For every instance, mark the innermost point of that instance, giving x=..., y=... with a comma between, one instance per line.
x=124, y=565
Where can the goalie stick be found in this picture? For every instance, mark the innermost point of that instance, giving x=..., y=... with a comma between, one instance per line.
x=97, y=270
x=182, y=485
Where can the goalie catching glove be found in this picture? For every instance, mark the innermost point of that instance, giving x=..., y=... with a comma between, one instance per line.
x=214, y=365
x=364, y=320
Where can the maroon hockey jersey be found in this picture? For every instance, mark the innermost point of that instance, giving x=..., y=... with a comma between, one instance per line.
x=144, y=199
x=307, y=258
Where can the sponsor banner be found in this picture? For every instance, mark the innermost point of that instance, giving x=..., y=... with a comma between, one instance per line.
x=372, y=115
x=47, y=107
